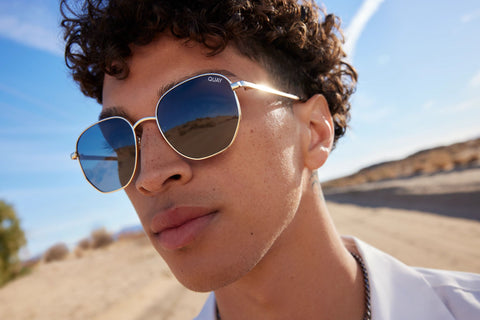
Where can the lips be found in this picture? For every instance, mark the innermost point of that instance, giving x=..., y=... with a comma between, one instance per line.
x=177, y=227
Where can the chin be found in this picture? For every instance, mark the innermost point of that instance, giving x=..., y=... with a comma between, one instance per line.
x=206, y=281
x=204, y=268
x=205, y=275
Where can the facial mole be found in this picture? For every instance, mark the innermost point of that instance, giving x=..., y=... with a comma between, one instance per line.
x=251, y=233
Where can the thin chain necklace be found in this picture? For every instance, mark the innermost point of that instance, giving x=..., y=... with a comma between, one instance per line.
x=368, y=308
x=368, y=311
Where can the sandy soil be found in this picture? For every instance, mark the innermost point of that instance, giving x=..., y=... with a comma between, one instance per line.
x=128, y=280
x=414, y=237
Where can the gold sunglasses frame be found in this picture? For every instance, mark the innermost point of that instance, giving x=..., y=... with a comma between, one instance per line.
x=236, y=85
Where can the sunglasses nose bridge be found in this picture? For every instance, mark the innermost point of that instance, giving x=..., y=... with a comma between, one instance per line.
x=140, y=121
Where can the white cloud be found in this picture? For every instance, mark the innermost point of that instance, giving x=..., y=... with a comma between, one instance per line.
x=359, y=21
x=475, y=81
x=428, y=105
x=32, y=23
x=368, y=110
x=466, y=105
x=383, y=59
x=31, y=35
x=469, y=17
x=460, y=107
x=42, y=107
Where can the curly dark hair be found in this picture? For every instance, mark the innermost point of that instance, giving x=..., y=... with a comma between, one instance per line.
x=301, y=50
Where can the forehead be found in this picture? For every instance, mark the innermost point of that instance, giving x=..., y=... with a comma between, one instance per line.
x=166, y=61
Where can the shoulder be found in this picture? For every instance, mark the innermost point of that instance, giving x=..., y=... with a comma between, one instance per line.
x=459, y=291
x=399, y=291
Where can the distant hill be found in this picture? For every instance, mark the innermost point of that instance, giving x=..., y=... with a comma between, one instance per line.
x=426, y=162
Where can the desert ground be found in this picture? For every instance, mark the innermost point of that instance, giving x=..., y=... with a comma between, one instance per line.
x=429, y=221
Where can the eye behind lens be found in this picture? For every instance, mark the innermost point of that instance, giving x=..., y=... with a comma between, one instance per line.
x=199, y=117
x=107, y=154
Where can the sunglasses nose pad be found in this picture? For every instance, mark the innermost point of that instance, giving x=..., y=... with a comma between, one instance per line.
x=158, y=164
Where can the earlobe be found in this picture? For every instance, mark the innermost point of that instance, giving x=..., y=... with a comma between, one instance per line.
x=318, y=126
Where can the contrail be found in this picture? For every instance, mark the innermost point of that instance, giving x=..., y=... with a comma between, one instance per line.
x=358, y=23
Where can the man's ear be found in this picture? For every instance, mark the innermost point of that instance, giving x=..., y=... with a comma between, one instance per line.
x=317, y=130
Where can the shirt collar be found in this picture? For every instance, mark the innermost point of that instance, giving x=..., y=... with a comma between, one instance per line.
x=398, y=291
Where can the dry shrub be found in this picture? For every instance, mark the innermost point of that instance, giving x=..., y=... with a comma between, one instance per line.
x=441, y=160
x=31, y=263
x=134, y=235
x=84, y=244
x=475, y=159
x=359, y=179
x=78, y=252
x=465, y=159
x=56, y=253
x=429, y=168
x=388, y=172
x=381, y=173
x=419, y=168
x=100, y=238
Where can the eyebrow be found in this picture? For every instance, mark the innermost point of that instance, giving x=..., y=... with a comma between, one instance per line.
x=119, y=111
x=172, y=84
x=113, y=112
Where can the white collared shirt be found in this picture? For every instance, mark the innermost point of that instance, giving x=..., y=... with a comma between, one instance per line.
x=400, y=292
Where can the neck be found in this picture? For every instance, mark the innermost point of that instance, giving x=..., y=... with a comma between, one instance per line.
x=307, y=274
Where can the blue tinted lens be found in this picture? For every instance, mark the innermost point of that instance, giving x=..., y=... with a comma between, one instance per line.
x=107, y=154
x=199, y=118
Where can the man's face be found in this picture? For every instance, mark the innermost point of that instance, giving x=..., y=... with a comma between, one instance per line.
x=225, y=213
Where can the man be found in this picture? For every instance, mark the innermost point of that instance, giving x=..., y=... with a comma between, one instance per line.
x=216, y=116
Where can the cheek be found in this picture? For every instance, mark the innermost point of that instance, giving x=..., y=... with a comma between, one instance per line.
x=262, y=185
x=269, y=172
x=274, y=150
x=139, y=203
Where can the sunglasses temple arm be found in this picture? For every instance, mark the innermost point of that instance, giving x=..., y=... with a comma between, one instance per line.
x=249, y=85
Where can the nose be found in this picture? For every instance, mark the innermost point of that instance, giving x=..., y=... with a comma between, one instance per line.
x=160, y=167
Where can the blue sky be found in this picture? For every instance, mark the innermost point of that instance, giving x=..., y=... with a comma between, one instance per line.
x=419, y=87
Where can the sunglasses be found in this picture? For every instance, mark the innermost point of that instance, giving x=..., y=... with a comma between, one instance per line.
x=198, y=118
